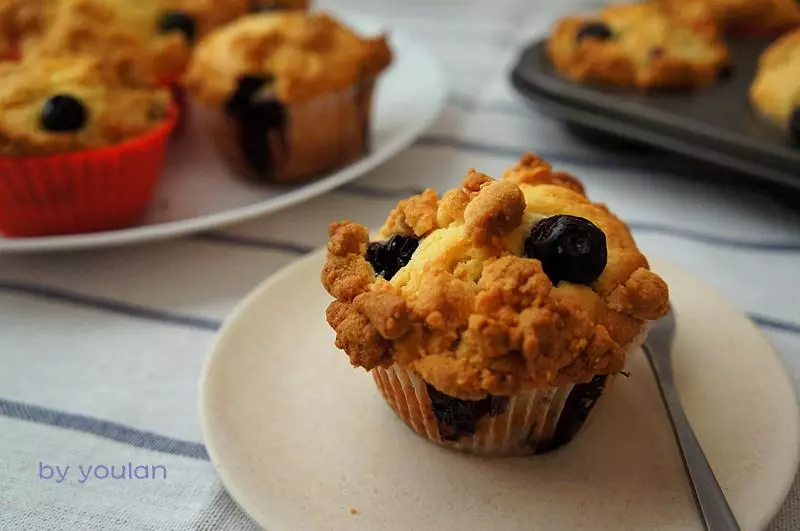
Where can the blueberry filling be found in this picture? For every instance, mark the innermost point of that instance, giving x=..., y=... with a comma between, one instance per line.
x=63, y=114
x=570, y=248
x=178, y=21
x=595, y=30
x=388, y=257
x=576, y=410
x=794, y=124
x=259, y=121
x=459, y=418
x=726, y=72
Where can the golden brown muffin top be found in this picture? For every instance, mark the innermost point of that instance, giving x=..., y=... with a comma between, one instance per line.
x=470, y=312
x=776, y=87
x=721, y=13
x=781, y=15
x=643, y=45
x=163, y=31
x=307, y=55
x=39, y=115
x=738, y=16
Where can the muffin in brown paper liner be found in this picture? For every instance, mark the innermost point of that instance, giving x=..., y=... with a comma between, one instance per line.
x=267, y=140
x=534, y=421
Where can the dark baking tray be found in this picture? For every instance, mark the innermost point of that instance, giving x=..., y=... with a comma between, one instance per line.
x=716, y=124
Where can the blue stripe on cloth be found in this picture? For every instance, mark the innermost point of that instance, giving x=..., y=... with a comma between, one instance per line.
x=252, y=242
x=109, y=305
x=712, y=239
x=775, y=324
x=102, y=428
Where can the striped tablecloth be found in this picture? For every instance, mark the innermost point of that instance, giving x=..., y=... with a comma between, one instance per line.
x=100, y=352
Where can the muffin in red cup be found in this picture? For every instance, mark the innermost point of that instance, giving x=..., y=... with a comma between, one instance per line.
x=82, y=145
x=160, y=32
x=287, y=96
x=494, y=318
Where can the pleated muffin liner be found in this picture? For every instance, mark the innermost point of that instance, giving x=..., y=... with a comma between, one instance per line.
x=84, y=191
x=533, y=421
x=314, y=137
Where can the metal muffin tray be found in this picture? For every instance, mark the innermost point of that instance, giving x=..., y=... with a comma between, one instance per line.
x=716, y=124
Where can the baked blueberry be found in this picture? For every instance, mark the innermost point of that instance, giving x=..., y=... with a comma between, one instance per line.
x=388, y=257
x=570, y=248
x=726, y=72
x=260, y=117
x=595, y=30
x=178, y=21
x=459, y=418
x=794, y=124
x=63, y=113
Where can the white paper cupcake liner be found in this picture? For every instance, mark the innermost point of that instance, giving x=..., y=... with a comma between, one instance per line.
x=530, y=422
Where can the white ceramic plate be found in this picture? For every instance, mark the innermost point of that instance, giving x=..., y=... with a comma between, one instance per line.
x=199, y=192
x=299, y=437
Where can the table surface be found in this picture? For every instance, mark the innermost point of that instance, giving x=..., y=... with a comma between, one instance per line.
x=100, y=351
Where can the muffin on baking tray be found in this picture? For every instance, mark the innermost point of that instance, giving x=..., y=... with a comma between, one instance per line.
x=775, y=91
x=280, y=5
x=162, y=30
x=81, y=144
x=642, y=45
x=723, y=14
x=287, y=96
x=494, y=317
x=781, y=16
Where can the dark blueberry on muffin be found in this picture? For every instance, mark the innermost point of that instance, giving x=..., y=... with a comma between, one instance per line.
x=258, y=115
x=794, y=124
x=388, y=257
x=178, y=21
x=726, y=72
x=570, y=248
x=458, y=418
x=63, y=114
x=595, y=30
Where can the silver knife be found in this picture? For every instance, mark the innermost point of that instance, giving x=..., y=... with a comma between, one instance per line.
x=711, y=502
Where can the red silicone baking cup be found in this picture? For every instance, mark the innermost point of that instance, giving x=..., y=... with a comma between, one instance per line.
x=86, y=191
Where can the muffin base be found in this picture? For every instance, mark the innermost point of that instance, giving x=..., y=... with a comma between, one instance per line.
x=305, y=140
x=534, y=421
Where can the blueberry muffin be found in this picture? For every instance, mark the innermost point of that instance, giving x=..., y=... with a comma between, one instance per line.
x=494, y=317
x=280, y=5
x=81, y=145
x=643, y=45
x=775, y=91
x=723, y=14
x=163, y=30
x=69, y=103
x=780, y=16
x=287, y=96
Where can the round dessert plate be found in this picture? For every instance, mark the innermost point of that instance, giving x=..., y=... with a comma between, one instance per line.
x=199, y=192
x=304, y=441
